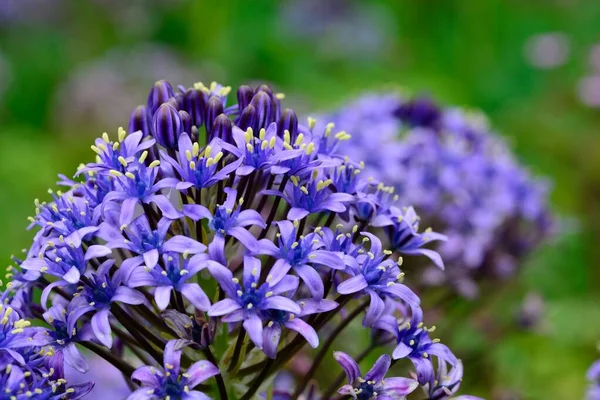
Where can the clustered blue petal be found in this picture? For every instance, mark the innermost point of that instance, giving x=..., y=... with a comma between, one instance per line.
x=210, y=242
x=461, y=177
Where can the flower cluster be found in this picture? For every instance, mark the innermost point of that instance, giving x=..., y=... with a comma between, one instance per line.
x=593, y=376
x=205, y=247
x=461, y=177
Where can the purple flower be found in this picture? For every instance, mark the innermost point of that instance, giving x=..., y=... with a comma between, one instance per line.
x=311, y=197
x=593, y=376
x=17, y=383
x=198, y=169
x=147, y=243
x=115, y=155
x=68, y=219
x=415, y=344
x=405, y=238
x=446, y=383
x=301, y=255
x=140, y=186
x=171, y=382
x=97, y=295
x=375, y=275
x=65, y=262
x=372, y=385
x=228, y=219
x=264, y=152
x=173, y=274
x=279, y=319
x=63, y=338
x=17, y=333
x=250, y=302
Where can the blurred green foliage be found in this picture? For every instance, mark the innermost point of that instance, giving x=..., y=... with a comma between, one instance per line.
x=462, y=52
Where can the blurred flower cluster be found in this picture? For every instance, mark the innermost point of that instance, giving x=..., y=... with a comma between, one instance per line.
x=461, y=177
x=206, y=246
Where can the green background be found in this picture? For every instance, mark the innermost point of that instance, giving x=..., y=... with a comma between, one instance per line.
x=468, y=53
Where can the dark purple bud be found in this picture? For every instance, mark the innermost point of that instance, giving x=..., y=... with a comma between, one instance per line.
x=419, y=112
x=167, y=126
x=140, y=120
x=222, y=128
x=275, y=102
x=186, y=121
x=266, y=89
x=247, y=118
x=173, y=102
x=214, y=108
x=178, y=100
x=195, y=105
x=160, y=93
x=264, y=109
x=289, y=122
x=244, y=96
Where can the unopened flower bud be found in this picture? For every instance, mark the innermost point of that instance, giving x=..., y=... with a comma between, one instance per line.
x=167, y=126
x=140, y=120
x=161, y=92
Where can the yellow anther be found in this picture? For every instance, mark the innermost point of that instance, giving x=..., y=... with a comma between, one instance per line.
x=121, y=133
x=248, y=135
x=105, y=137
x=96, y=150
x=280, y=96
x=286, y=136
x=217, y=157
x=195, y=149
x=188, y=155
x=311, y=122
x=192, y=165
x=154, y=163
x=114, y=172
x=310, y=148
x=130, y=175
x=250, y=147
x=299, y=139
x=262, y=134
x=264, y=145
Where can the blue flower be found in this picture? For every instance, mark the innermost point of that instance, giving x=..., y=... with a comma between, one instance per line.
x=65, y=262
x=228, y=219
x=173, y=274
x=146, y=243
x=264, y=152
x=63, y=339
x=115, y=155
x=250, y=302
x=311, y=197
x=279, y=319
x=140, y=186
x=375, y=275
x=374, y=384
x=414, y=343
x=301, y=254
x=99, y=292
x=17, y=333
x=198, y=169
x=171, y=382
x=405, y=238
